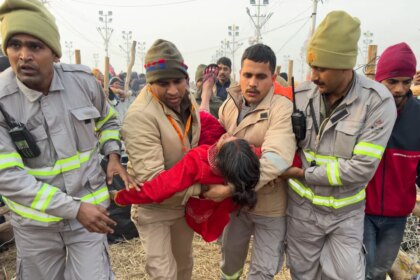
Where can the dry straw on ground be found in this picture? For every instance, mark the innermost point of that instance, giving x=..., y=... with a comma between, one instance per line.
x=128, y=261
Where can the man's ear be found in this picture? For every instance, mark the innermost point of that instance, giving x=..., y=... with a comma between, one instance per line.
x=56, y=58
x=273, y=77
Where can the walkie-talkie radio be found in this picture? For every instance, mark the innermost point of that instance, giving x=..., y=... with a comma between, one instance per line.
x=298, y=118
x=24, y=141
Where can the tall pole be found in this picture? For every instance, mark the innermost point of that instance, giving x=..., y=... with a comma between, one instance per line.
x=69, y=46
x=224, y=48
x=105, y=31
x=141, y=51
x=233, y=33
x=126, y=49
x=96, y=59
x=313, y=16
x=366, y=42
x=312, y=31
x=261, y=19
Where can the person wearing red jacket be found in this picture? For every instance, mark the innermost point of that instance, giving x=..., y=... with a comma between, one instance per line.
x=229, y=160
x=391, y=194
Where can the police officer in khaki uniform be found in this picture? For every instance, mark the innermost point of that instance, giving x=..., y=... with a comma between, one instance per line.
x=57, y=197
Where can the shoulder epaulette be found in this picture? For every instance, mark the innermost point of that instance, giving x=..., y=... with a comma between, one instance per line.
x=376, y=87
x=76, y=68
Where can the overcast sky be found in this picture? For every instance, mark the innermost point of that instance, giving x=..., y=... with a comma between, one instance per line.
x=197, y=27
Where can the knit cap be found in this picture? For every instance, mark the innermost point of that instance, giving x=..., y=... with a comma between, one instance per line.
x=164, y=61
x=199, y=72
x=334, y=43
x=396, y=61
x=29, y=17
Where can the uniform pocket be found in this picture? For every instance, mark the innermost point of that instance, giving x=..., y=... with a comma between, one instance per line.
x=39, y=133
x=346, y=133
x=84, y=126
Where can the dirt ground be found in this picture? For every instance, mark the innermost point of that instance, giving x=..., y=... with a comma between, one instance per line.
x=128, y=261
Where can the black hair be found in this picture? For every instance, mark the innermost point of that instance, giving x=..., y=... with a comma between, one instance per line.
x=260, y=53
x=225, y=61
x=284, y=76
x=239, y=165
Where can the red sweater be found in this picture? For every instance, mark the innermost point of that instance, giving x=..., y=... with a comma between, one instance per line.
x=193, y=168
x=392, y=191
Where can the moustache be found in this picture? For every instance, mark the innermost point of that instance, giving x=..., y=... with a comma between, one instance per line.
x=25, y=66
x=252, y=90
x=318, y=83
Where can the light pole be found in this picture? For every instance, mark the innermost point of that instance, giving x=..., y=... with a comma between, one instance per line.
x=260, y=19
x=126, y=36
x=105, y=31
x=224, y=48
x=69, y=46
x=142, y=52
x=233, y=32
x=366, y=42
x=96, y=59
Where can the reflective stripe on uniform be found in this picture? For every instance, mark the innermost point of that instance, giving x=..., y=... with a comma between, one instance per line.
x=10, y=160
x=109, y=135
x=333, y=174
x=62, y=165
x=368, y=149
x=101, y=122
x=43, y=197
x=97, y=197
x=319, y=159
x=327, y=201
x=27, y=212
x=234, y=276
x=331, y=163
x=30, y=213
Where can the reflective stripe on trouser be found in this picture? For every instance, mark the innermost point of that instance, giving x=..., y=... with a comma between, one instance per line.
x=322, y=246
x=267, y=249
x=42, y=254
x=327, y=201
x=96, y=198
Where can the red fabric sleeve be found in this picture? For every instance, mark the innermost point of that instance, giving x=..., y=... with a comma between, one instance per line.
x=297, y=162
x=178, y=178
x=211, y=129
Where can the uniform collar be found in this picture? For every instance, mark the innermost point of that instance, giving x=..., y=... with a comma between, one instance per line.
x=236, y=94
x=34, y=95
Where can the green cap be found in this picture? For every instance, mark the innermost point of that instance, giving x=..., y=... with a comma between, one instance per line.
x=334, y=43
x=29, y=17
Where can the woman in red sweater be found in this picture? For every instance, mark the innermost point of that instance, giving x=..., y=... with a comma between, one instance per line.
x=229, y=160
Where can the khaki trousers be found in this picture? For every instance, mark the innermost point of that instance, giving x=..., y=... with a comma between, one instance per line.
x=69, y=255
x=167, y=241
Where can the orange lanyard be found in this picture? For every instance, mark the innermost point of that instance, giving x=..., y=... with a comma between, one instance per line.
x=175, y=126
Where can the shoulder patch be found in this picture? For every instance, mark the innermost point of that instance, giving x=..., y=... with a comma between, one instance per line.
x=76, y=68
x=264, y=116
